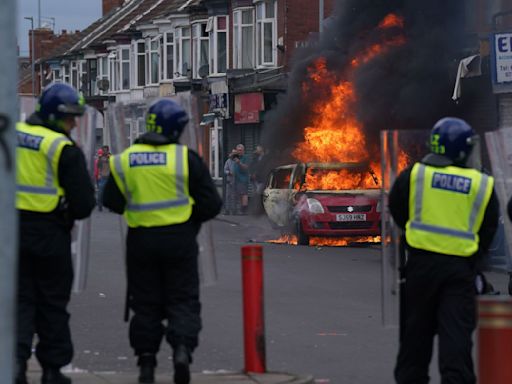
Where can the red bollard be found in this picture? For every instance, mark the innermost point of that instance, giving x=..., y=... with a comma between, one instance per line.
x=254, y=324
x=494, y=340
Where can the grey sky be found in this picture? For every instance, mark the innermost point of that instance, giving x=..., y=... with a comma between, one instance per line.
x=69, y=14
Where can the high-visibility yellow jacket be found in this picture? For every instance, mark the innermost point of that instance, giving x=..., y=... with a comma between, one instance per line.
x=446, y=208
x=154, y=181
x=37, y=178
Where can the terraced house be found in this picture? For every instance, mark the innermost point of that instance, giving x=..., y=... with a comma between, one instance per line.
x=226, y=60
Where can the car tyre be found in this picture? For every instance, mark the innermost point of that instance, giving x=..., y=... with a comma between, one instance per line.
x=302, y=238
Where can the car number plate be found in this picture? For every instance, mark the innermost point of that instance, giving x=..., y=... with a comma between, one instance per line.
x=351, y=217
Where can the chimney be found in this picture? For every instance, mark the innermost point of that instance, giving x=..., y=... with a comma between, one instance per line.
x=109, y=5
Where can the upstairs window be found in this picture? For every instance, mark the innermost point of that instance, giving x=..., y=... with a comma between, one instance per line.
x=182, y=52
x=125, y=68
x=243, y=38
x=266, y=33
x=200, y=47
x=103, y=70
x=140, y=63
x=114, y=71
x=65, y=73
x=168, y=62
x=154, y=61
x=218, y=29
x=92, y=88
x=74, y=74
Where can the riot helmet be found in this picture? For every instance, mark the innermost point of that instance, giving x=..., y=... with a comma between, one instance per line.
x=57, y=102
x=453, y=138
x=167, y=118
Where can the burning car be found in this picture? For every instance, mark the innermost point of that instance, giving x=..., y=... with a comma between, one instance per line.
x=324, y=199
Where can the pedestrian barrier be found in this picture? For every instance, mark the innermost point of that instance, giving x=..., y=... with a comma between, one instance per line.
x=253, y=308
x=494, y=339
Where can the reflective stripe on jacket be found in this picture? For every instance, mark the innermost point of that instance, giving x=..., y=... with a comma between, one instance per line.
x=446, y=208
x=37, y=154
x=154, y=181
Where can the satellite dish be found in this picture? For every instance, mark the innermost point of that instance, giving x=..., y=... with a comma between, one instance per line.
x=203, y=71
x=103, y=84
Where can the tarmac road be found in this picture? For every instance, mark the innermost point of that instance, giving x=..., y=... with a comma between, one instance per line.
x=322, y=309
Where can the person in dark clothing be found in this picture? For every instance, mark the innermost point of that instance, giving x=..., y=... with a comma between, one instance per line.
x=48, y=199
x=449, y=213
x=165, y=191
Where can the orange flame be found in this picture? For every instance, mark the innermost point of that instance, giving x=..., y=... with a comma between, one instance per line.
x=335, y=134
x=327, y=241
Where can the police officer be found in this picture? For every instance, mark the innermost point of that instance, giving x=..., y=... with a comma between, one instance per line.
x=449, y=213
x=166, y=192
x=53, y=189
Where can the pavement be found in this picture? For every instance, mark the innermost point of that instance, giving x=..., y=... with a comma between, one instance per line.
x=80, y=376
x=221, y=377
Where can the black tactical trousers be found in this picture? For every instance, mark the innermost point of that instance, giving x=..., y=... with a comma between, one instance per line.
x=45, y=277
x=163, y=284
x=439, y=298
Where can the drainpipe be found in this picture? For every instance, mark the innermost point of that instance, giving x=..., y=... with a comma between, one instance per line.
x=8, y=217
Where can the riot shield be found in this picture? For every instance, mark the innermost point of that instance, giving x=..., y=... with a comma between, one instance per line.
x=398, y=150
x=125, y=122
x=194, y=137
x=499, y=146
x=84, y=136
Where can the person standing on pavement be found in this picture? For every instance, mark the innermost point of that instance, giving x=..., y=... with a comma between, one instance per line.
x=242, y=178
x=449, y=213
x=230, y=206
x=53, y=189
x=103, y=166
x=165, y=191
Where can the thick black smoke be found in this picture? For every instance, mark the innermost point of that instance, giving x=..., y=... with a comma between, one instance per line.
x=407, y=87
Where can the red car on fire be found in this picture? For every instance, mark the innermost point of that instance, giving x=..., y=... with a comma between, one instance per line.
x=324, y=199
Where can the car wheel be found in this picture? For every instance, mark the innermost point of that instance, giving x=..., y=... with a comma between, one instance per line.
x=302, y=238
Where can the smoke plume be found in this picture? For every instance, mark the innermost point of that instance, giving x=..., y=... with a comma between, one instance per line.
x=406, y=87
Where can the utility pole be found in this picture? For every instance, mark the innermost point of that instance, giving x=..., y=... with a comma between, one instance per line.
x=32, y=55
x=8, y=217
x=39, y=14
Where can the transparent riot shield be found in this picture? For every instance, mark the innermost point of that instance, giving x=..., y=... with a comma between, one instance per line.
x=194, y=138
x=499, y=146
x=84, y=136
x=399, y=149
x=125, y=122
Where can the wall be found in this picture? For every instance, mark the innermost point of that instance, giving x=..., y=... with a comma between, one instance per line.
x=297, y=21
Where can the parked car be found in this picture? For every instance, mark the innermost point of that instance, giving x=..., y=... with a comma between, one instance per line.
x=324, y=199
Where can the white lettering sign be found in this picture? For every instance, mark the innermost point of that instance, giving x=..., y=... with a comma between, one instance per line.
x=503, y=52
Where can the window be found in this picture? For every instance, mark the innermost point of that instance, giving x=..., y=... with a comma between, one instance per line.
x=266, y=34
x=92, y=65
x=182, y=52
x=74, y=74
x=65, y=73
x=218, y=44
x=113, y=66
x=168, y=64
x=140, y=62
x=103, y=70
x=243, y=38
x=200, y=46
x=56, y=75
x=216, y=169
x=154, y=61
x=125, y=68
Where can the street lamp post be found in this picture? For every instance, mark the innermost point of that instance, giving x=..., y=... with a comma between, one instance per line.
x=32, y=53
x=8, y=218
